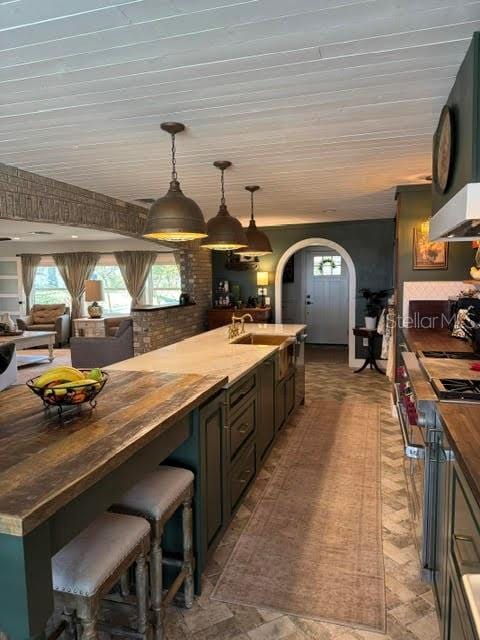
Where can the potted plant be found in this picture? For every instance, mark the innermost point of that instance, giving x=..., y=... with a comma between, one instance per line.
x=374, y=305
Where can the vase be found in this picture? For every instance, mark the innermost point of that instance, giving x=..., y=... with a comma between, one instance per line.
x=370, y=323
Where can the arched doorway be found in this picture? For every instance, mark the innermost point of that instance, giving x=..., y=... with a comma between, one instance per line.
x=352, y=284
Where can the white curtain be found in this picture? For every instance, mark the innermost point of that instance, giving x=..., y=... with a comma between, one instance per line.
x=135, y=267
x=75, y=268
x=29, y=268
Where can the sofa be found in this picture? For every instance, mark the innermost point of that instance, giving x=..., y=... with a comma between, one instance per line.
x=112, y=323
x=48, y=317
x=100, y=352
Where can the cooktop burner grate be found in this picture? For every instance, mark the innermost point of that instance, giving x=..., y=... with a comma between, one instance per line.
x=457, y=355
x=457, y=389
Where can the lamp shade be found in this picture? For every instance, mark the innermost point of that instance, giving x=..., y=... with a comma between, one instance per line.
x=225, y=233
x=175, y=217
x=258, y=242
x=94, y=290
x=262, y=278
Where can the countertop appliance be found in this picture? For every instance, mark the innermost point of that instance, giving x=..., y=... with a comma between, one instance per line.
x=450, y=355
x=457, y=390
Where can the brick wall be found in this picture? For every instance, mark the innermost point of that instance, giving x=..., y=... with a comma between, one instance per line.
x=28, y=196
x=159, y=328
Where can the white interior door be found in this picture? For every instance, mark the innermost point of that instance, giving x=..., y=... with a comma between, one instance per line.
x=326, y=297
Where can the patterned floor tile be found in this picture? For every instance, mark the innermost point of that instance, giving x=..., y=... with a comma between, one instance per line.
x=411, y=613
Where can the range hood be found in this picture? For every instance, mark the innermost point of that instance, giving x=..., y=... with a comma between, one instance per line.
x=456, y=156
x=459, y=218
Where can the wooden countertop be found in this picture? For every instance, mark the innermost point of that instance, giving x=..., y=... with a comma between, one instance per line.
x=433, y=340
x=44, y=465
x=462, y=426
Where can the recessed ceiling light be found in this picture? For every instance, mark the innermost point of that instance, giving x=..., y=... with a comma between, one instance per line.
x=74, y=236
x=15, y=238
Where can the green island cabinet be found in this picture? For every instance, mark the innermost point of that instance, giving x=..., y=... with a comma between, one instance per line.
x=457, y=549
x=232, y=434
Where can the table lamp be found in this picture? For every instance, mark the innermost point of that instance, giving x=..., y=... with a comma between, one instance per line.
x=93, y=293
x=262, y=281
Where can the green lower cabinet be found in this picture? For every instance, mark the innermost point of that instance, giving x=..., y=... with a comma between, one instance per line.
x=242, y=473
x=280, y=405
x=290, y=394
x=266, y=408
x=457, y=624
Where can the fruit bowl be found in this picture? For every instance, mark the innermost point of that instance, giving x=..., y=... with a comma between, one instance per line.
x=66, y=386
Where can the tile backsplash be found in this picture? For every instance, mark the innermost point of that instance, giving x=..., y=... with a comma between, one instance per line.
x=430, y=290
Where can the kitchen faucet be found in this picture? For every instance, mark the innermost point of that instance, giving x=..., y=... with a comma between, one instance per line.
x=233, y=329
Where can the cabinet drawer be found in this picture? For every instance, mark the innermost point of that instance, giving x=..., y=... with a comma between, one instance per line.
x=465, y=530
x=242, y=473
x=239, y=391
x=242, y=426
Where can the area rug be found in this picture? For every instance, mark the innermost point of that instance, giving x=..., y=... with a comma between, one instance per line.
x=313, y=546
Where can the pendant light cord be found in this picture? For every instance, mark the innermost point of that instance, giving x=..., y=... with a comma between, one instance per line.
x=251, y=206
x=174, y=160
x=222, y=183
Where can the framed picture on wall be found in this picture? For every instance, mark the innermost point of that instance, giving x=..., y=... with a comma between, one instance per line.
x=426, y=254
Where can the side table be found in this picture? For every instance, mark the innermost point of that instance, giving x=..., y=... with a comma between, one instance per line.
x=371, y=335
x=89, y=327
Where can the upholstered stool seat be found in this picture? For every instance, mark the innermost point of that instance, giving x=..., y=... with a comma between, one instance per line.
x=156, y=498
x=87, y=568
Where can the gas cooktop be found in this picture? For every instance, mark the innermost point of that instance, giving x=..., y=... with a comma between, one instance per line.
x=457, y=355
x=455, y=389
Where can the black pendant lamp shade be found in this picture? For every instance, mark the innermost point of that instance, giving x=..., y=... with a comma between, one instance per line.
x=258, y=242
x=174, y=217
x=225, y=233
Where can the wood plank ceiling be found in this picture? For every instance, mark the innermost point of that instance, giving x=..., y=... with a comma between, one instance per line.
x=327, y=104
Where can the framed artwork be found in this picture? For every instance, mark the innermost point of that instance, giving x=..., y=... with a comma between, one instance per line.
x=426, y=254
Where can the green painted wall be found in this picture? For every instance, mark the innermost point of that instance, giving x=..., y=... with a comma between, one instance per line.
x=465, y=105
x=369, y=243
x=415, y=207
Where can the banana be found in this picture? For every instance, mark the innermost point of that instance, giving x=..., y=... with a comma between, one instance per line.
x=76, y=383
x=64, y=374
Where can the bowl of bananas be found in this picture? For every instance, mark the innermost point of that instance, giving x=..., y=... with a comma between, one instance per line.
x=66, y=386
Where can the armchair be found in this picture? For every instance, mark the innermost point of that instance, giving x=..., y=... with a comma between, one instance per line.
x=100, y=352
x=48, y=317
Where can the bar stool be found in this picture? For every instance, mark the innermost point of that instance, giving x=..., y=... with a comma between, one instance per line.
x=89, y=566
x=156, y=498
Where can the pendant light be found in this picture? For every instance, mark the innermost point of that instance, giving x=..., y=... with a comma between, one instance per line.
x=258, y=242
x=225, y=233
x=174, y=217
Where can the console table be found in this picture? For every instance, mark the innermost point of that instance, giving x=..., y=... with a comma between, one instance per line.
x=371, y=335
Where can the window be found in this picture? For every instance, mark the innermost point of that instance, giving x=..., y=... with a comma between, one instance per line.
x=48, y=286
x=327, y=265
x=117, y=300
x=165, y=286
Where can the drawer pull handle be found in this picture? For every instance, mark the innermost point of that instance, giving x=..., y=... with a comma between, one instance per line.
x=466, y=553
x=246, y=473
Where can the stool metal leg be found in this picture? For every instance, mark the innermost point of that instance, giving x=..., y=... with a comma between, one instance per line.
x=187, y=525
x=141, y=584
x=156, y=585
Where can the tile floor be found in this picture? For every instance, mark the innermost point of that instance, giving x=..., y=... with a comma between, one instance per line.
x=411, y=614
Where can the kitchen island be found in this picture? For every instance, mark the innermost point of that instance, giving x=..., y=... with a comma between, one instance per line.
x=204, y=403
